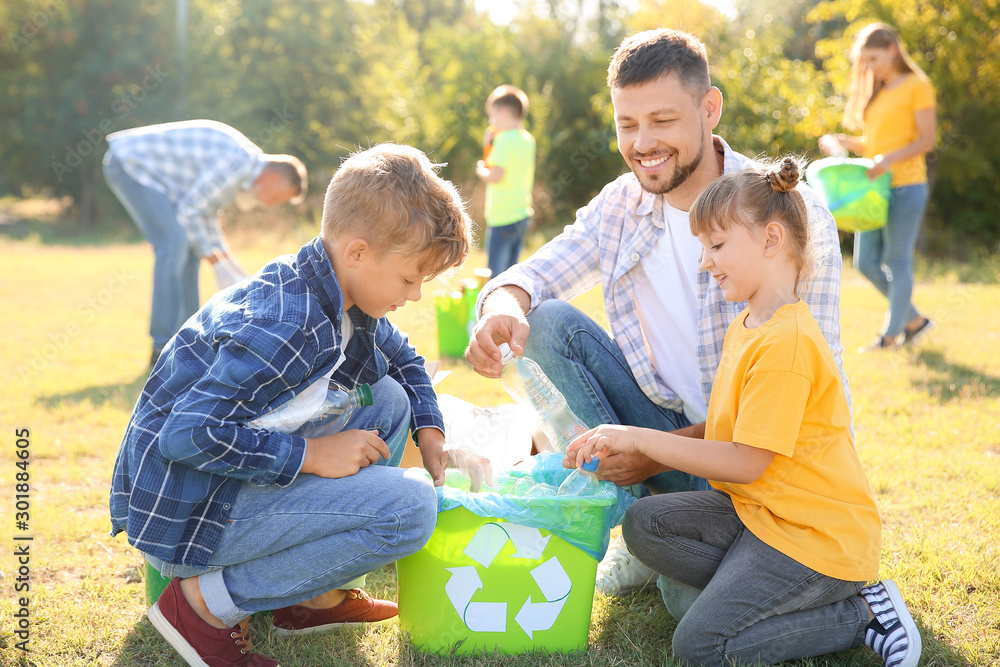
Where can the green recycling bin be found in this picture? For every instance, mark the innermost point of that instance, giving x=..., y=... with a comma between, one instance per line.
x=511, y=569
x=486, y=584
x=857, y=203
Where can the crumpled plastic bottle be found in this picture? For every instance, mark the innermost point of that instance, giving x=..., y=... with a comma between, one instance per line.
x=331, y=416
x=582, y=481
x=527, y=384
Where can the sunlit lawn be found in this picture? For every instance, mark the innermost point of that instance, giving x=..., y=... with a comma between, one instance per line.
x=73, y=355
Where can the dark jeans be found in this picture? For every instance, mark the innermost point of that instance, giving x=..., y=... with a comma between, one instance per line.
x=503, y=245
x=756, y=604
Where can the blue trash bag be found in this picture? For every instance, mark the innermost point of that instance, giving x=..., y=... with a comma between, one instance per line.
x=526, y=495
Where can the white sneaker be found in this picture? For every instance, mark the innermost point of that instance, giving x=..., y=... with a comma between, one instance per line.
x=620, y=573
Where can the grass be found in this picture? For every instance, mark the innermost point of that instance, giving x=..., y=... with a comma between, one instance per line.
x=74, y=358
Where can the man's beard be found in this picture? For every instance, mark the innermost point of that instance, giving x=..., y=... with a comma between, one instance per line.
x=680, y=174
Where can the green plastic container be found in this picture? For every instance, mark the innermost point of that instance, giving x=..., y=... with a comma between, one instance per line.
x=155, y=584
x=857, y=204
x=452, y=323
x=456, y=317
x=483, y=584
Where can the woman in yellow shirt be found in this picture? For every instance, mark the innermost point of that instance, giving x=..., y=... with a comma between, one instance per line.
x=892, y=102
x=777, y=553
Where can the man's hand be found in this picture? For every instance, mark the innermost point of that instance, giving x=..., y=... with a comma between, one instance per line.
x=503, y=321
x=343, y=454
x=227, y=270
x=627, y=469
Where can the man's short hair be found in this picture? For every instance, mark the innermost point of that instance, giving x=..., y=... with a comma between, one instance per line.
x=649, y=55
x=292, y=171
x=392, y=196
x=510, y=97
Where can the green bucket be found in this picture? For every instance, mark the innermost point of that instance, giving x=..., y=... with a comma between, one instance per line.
x=482, y=584
x=857, y=203
x=456, y=317
x=452, y=323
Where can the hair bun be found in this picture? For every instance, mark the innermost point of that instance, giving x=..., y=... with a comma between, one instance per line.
x=785, y=176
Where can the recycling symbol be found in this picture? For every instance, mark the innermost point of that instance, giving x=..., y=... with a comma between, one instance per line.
x=484, y=547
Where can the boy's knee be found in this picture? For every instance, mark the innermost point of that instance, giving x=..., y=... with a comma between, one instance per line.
x=418, y=501
x=390, y=395
x=694, y=645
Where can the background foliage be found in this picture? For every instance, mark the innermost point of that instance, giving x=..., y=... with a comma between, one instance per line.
x=318, y=78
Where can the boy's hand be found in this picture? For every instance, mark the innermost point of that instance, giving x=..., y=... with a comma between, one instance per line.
x=432, y=452
x=343, y=454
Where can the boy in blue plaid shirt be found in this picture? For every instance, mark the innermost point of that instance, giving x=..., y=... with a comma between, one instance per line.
x=248, y=520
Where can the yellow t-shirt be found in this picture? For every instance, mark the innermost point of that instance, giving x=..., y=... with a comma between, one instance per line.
x=778, y=388
x=890, y=124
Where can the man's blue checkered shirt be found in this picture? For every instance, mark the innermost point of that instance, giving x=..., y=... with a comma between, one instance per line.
x=199, y=164
x=250, y=348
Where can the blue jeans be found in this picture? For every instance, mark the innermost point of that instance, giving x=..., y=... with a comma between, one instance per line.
x=885, y=256
x=757, y=605
x=503, y=245
x=175, y=270
x=587, y=366
x=285, y=545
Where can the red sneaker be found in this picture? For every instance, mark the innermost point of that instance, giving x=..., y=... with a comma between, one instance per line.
x=357, y=609
x=197, y=642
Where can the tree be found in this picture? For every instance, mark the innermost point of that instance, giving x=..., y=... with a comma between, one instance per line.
x=71, y=77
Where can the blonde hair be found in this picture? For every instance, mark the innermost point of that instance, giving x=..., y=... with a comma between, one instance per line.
x=393, y=196
x=864, y=88
x=754, y=197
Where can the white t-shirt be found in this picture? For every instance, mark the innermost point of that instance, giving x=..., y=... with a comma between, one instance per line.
x=666, y=293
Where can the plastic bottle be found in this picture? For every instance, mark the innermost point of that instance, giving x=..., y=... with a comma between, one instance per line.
x=530, y=387
x=582, y=481
x=832, y=146
x=329, y=418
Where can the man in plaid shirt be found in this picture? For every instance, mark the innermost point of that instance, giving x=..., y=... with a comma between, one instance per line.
x=173, y=179
x=667, y=319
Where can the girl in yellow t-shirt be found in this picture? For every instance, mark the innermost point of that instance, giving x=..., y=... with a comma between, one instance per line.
x=776, y=555
x=892, y=102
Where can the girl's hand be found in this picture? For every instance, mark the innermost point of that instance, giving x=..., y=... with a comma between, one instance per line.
x=603, y=441
x=343, y=454
x=881, y=167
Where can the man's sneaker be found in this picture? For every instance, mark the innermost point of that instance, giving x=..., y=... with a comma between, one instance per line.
x=912, y=337
x=892, y=633
x=357, y=609
x=197, y=642
x=620, y=573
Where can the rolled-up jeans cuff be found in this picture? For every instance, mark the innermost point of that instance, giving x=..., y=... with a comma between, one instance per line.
x=220, y=603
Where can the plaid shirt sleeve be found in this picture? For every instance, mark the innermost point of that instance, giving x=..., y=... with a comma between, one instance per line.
x=214, y=188
x=205, y=429
x=407, y=368
x=563, y=268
